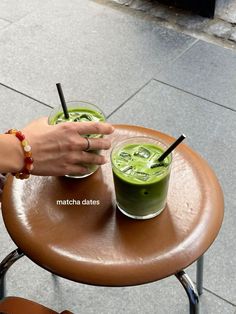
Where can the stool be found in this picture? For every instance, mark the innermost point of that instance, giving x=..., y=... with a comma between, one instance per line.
x=16, y=305
x=94, y=243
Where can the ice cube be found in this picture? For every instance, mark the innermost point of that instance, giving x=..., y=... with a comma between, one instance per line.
x=155, y=157
x=141, y=176
x=60, y=120
x=85, y=117
x=157, y=164
x=127, y=169
x=159, y=172
x=125, y=156
x=142, y=152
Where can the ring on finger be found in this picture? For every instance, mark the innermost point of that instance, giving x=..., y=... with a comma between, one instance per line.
x=88, y=144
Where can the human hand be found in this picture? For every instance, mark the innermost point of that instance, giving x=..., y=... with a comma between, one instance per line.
x=59, y=149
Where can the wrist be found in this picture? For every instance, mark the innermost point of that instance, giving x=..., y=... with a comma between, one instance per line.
x=11, y=154
x=17, y=155
x=27, y=159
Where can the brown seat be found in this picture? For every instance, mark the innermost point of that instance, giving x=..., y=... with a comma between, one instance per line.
x=95, y=243
x=16, y=305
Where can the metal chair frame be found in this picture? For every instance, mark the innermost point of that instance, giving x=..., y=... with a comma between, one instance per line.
x=193, y=292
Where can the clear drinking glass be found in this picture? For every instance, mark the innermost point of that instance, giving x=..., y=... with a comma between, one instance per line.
x=141, y=182
x=79, y=111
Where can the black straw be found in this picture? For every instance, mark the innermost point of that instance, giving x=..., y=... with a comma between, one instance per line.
x=62, y=99
x=172, y=147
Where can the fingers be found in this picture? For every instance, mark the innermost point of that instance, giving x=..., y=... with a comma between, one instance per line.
x=77, y=169
x=90, y=158
x=81, y=164
x=96, y=144
x=61, y=171
x=94, y=128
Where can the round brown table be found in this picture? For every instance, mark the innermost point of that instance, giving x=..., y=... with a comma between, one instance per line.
x=93, y=243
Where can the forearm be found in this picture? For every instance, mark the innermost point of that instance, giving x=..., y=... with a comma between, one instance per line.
x=57, y=150
x=11, y=154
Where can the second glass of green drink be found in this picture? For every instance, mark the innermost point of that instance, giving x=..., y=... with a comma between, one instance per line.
x=79, y=111
x=140, y=180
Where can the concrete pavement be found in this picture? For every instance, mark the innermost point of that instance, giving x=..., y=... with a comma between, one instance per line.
x=126, y=62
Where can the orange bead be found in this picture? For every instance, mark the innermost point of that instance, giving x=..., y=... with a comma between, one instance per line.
x=28, y=167
x=28, y=154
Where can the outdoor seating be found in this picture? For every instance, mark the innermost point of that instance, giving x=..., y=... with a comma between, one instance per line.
x=16, y=305
x=100, y=246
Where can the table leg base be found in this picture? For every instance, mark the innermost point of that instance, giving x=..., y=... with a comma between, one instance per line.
x=5, y=265
x=199, y=277
x=190, y=290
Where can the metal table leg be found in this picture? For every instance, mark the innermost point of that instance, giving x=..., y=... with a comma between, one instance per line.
x=5, y=265
x=190, y=290
x=199, y=279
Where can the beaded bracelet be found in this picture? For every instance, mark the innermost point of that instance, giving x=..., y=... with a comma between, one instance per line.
x=28, y=167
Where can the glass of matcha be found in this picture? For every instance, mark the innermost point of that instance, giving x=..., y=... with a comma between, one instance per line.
x=140, y=180
x=79, y=111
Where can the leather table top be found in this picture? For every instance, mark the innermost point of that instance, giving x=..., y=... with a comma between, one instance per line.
x=95, y=243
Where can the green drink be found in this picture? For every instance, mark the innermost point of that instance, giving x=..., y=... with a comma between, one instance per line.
x=80, y=111
x=79, y=114
x=141, y=182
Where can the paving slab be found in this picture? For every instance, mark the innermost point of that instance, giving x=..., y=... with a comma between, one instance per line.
x=3, y=23
x=206, y=70
x=58, y=293
x=98, y=53
x=13, y=10
x=173, y=111
x=17, y=110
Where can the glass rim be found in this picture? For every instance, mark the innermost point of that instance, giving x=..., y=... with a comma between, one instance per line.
x=71, y=102
x=88, y=103
x=120, y=142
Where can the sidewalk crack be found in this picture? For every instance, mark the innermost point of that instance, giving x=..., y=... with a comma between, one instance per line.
x=23, y=94
x=127, y=99
x=190, y=93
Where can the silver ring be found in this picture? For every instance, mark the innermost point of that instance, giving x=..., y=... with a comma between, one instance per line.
x=88, y=144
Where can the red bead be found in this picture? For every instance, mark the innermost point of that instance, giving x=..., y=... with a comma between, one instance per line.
x=30, y=167
x=23, y=176
x=29, y=160
x=20, y=136
x=25, y=170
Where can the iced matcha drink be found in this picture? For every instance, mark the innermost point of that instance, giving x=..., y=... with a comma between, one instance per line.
x=141, y=181
x=79, y=111
x=79, y=115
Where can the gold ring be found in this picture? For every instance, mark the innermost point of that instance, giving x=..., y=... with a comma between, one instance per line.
x=88, y=144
